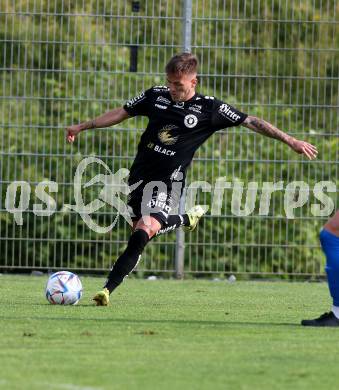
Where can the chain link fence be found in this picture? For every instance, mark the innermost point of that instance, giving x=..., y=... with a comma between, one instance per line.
x=63, y=62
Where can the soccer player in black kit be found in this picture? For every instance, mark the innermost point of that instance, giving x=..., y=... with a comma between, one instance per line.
x=180, y=121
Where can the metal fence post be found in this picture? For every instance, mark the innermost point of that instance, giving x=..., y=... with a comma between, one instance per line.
x=187, y=25
x=180, y=235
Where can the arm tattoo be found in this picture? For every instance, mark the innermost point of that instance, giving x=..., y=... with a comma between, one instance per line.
x=267, y=129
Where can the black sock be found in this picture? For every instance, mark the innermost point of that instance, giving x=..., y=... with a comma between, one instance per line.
x=128, y=260
x=185, y=219
x=174, y=222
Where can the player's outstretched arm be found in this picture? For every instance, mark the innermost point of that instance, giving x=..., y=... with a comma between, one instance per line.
x=110, y=118
x=261, y=126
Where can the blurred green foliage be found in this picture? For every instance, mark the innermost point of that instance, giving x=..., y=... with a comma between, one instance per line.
x=65, y=62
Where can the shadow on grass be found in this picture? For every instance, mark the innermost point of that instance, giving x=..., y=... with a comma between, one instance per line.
x=158, y=321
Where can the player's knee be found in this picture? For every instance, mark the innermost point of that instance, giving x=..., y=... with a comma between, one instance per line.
x=146, y=229
x=138, y=240
x=149, y=225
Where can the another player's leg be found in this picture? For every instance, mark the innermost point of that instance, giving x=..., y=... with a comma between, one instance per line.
x=329, y=238
x=144, y=231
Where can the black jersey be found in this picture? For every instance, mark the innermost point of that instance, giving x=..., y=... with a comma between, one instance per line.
x=175, y=131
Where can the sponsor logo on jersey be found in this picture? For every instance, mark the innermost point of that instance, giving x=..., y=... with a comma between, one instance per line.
x=226, y=111
x=160, y=106
x=162, y=196
x=163, y=100
x=196, y=108
x=166, y=230
x=190, y=121
x=165, y=135
x=156, y=203
x=209, y=97
x=160, y=88
x=160, y=149
x=179, y=105
x=136, y=99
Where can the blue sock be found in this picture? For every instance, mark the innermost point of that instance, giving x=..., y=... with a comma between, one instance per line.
x=330, y=245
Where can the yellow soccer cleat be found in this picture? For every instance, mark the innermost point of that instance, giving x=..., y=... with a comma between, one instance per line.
x=101, y=298
x=194, y=214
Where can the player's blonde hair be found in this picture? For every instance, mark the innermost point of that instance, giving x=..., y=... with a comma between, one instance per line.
x=184, y=63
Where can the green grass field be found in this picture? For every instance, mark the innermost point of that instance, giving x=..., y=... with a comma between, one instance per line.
x=167, y=335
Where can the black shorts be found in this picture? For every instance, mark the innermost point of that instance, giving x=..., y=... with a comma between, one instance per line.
x=157, y=199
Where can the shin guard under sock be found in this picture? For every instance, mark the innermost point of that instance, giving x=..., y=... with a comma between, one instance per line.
x=128, y=260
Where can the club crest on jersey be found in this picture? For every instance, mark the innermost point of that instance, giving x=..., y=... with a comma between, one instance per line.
x=165, y=135
x=190, y=121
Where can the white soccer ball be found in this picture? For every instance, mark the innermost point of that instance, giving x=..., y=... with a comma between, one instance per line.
x=63, y=288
